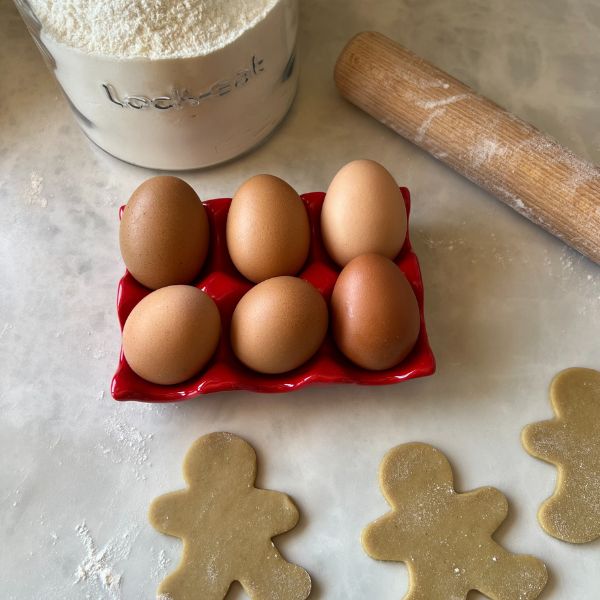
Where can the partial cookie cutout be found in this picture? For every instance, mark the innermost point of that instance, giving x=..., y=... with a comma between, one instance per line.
x=444, y=537
x=226, y=525
x=571, y=441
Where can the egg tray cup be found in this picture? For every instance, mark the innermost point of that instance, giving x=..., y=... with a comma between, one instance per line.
x=225, y=285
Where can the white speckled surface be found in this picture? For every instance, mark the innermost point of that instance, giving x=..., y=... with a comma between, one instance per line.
x=507, y=307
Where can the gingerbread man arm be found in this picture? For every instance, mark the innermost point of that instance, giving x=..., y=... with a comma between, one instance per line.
x=484, y=508
x=282, y=512
x=539, y=439
x=383, y=540
x=165, y=513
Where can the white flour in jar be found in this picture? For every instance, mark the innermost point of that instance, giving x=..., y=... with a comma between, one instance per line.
x=171, y=84
x=149, y=28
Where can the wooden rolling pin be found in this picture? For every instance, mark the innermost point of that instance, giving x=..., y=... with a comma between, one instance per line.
x=526, y=169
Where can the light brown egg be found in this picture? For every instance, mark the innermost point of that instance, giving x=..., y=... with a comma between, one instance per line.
x=267, y=229
x=278, y=325
x=164, y=233
x=171, y=334
x=363, y=212
x=374, y=313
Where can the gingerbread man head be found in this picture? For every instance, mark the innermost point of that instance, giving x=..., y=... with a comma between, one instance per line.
x=412, y=471
x=216, y=453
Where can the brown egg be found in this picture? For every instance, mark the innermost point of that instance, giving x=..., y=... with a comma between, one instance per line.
x=278, y=325
x=363, y=212
x=164, y=233
x=267, y=229
x=374, y=312
x=171, y=334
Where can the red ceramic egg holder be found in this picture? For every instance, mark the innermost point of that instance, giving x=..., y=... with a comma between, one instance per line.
x=221, y=280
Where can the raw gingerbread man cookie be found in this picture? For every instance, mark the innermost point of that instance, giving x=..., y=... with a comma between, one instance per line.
x=226, y=525
x=571, y=441
x=444, y=537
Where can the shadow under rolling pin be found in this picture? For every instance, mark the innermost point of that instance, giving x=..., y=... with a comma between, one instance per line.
x=526, y=169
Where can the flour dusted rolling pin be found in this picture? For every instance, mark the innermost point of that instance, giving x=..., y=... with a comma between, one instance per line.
x=510, y=158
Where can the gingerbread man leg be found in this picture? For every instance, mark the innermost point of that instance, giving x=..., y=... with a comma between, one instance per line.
x=507, y=576
x=193, y=583
x=276, y=578
x=434, y=587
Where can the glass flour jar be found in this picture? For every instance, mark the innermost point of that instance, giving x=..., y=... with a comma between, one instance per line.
x=181, y=112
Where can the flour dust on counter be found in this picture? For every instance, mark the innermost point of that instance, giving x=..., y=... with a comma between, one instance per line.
x=35, y=196
x=99, y=571
x=127, y=444
x=163, y=562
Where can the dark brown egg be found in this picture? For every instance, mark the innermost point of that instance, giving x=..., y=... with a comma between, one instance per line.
x=374, y=312
x=171, y=334
x=278, y=325
x=164, y=233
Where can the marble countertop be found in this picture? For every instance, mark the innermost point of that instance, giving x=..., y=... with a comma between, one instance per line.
x=507, y=307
